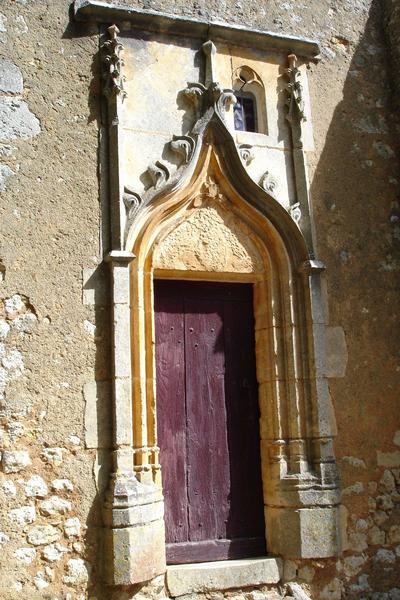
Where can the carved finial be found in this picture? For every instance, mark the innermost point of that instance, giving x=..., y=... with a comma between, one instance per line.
x=294, y=90
x=210, y=52
x=210, y=188
x=113, y=63
x=113, y=31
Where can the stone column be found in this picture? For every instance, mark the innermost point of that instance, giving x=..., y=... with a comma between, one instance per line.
x=301, y=209
x=133, y=512
x=134, y=541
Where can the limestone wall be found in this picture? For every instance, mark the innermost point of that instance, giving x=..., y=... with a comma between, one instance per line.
x=54, y=317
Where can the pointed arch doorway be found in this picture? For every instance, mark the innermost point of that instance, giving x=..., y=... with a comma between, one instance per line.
x=208, y=420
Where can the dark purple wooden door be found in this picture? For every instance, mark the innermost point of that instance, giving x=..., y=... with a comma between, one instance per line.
x=207, y=415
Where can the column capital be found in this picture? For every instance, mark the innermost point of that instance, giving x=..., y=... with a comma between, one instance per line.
x=312, y=266
x=119, y=257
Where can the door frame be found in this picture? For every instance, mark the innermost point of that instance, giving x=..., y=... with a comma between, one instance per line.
x=298, y=466
x=215, y=548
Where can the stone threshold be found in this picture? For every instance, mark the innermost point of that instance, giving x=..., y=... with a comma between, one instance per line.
x=159, y=22
x=222, y=575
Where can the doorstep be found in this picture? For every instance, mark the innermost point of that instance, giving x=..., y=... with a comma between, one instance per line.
x=222, y=575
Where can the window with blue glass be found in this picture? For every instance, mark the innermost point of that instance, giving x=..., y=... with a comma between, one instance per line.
x=245, y=112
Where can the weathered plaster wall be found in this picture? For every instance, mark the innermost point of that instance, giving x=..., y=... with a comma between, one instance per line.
x=54, y=317
x=50, y=346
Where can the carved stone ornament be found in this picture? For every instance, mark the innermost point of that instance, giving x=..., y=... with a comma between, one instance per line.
x=193, y=93
x=294, y=89
x=295, y=212
x=246, y=153
x=159, y=174
x=268, y=182
x=211, y=103
x=245, y=75
x=183, y=145
x=209, y=191
x=132, y=202
x=113, y=63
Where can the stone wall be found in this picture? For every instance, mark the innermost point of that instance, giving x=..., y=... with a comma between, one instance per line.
x=53, y=312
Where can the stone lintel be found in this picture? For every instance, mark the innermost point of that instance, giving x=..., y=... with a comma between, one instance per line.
x=158, y=22
x=222, y=575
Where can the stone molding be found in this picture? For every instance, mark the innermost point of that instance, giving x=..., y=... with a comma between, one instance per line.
x=113, y=89
x=159, y=22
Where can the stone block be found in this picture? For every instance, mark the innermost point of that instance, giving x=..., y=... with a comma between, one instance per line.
x=388, y=459
x=23, y=515
x=304, y=532
x=16, y=120
x=123, y=417
x=36, y=487
x=336, y=352
x=95, y=289
x=15, y=461
x=122, y=341
x=98, y=414
x=223, y=575
x=297, y=592
x=72, y=527
x=319, y=303
x=289, y=570
x=54, y=506
x=43, y=534
x=134, y=554
x=5, y=174
x=326, y=414
x=121, y=283
x=319, y=334
x=10, y=77
x=77, y=572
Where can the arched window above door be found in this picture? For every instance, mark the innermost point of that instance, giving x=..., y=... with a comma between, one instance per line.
x=250, y=113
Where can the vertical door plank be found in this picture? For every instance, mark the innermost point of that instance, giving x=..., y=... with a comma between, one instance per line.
x=208, y=460
x=246, y=518
x=171, y=414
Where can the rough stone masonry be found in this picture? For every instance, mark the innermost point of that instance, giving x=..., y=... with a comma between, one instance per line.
x=54, y=308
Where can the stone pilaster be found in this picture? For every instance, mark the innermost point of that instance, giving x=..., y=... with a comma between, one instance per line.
x=133, y=511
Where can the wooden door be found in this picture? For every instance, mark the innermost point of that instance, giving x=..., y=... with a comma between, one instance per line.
x=208, y=421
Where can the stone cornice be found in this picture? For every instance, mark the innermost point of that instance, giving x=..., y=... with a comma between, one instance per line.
x=158, y=22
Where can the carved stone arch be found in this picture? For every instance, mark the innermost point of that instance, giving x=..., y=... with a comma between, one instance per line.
x=299, y=474
x=246, y=80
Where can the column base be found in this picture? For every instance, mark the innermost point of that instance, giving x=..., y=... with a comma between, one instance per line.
x=297, y=533
x=134, y=538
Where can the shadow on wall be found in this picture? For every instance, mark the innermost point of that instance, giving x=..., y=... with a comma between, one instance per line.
x=98, y=412
x=354, y=191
